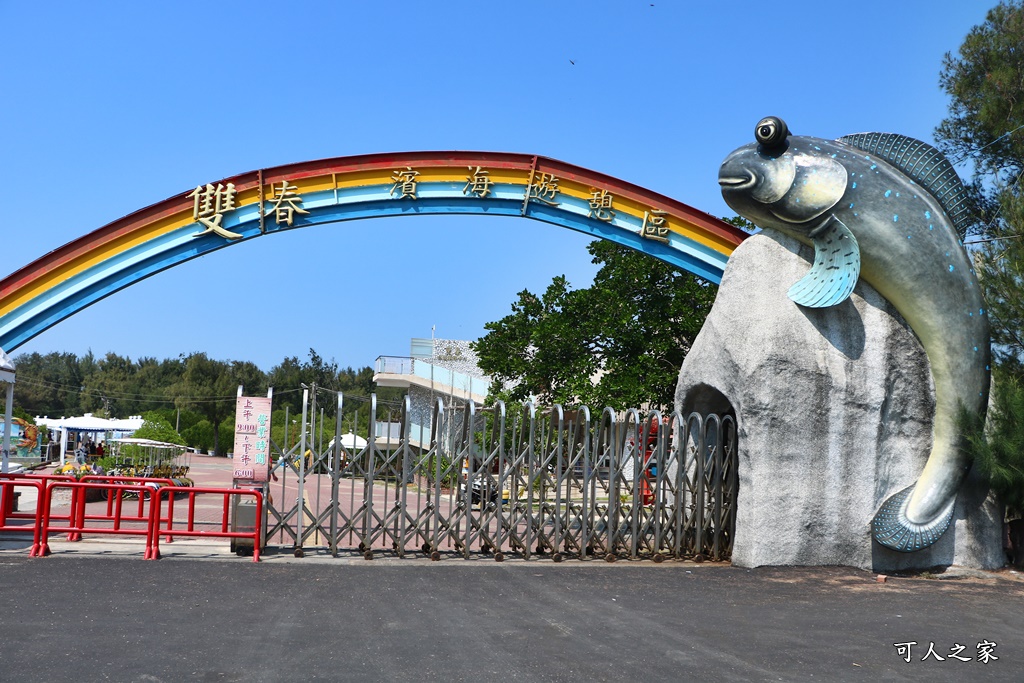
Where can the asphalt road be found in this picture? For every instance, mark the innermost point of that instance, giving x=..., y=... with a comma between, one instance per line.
x=118, y=619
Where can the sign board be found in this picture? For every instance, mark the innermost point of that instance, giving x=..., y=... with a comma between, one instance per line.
x=252, y=438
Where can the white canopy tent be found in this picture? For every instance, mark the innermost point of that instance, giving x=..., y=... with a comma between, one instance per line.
x=350, y=444
x=89, y=424
x=7, y=377
x=350, y=441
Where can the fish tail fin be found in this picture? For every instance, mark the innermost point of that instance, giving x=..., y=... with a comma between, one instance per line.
x=892, y=528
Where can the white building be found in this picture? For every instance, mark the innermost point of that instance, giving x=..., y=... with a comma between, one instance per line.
x=435, y=368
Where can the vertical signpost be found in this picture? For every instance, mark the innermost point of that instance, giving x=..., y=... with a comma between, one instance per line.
x=252, y=438
x=251, y=461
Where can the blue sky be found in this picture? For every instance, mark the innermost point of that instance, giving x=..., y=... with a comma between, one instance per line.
x=110, y=107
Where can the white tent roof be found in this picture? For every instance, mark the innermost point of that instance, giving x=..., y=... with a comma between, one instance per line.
x=149, y=442
x=351, y=441
x=91, y=423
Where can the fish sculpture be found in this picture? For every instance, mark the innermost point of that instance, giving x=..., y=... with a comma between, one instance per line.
x=891, y=210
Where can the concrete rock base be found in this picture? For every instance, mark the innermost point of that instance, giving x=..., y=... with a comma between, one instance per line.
x=833, y=409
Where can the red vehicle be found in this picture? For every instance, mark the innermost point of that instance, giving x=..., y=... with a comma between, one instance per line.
x=649, y=476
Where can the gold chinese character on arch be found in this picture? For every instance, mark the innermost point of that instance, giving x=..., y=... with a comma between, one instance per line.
x=479, y=183
x=211, y=203
x=654, y=226
x=404, y=183
x=544, y=187
x=285, y=203
x=601, y=205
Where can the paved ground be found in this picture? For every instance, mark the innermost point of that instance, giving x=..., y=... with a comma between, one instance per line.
x=95, y=611
x=93, y=618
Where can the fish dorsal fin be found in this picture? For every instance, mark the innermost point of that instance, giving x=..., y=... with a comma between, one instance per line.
x=925, y=165
x=836, y=267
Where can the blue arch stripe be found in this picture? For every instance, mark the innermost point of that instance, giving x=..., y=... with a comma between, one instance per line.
x=343, y=204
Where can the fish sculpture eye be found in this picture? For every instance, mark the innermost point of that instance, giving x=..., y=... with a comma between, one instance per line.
x=771, y=131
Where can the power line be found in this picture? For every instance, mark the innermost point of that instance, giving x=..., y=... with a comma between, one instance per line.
x=147, y=398
x=973, y=152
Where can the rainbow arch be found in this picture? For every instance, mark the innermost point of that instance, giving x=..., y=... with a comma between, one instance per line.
x=92, y=267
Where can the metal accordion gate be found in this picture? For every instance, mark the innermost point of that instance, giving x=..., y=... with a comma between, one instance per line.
x=525, y=483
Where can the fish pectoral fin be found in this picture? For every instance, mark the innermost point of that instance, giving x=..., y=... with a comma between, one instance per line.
x=836, y=267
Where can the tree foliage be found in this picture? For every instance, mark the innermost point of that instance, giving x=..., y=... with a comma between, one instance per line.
x=998, y=447
x=193, y=394
x=1000, y=266
x=155, y=427
x=619, y=342
x=985, y=82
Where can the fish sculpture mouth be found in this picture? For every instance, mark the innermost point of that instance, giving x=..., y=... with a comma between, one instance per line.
x=737, y=182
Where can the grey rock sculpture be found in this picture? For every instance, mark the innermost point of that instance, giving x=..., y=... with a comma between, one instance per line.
x=834, y=410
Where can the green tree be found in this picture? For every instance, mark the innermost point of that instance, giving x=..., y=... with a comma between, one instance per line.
x=619, y=342
x=1000, y=266
x=998, y=452
x=50, y=384
x=112, y=387
x=155, y=427
x=288, y=376
x=208, y=387
x=985, y=83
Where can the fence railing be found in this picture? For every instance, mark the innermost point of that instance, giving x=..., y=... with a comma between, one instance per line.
x=135, y=506
x=556, y=483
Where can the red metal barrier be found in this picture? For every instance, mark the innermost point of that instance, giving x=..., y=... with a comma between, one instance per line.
x=151, y=483
x=47, y=479
x=77, y=520
x=153, y=551
x=150, y=522
x=7, y=486
x=79, y=497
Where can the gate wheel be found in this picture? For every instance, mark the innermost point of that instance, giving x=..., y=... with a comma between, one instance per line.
x=557, y=557
x=425, y=548
x=610, y=557
x=698, y=558
x=435, y=556
x=659, y=558
x=299, y=552
x=368, y=555
x=499, y=556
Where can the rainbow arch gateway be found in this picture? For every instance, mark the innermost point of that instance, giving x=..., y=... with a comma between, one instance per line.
x=234, y=210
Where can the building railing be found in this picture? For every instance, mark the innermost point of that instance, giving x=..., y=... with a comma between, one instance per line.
x=443, y=379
